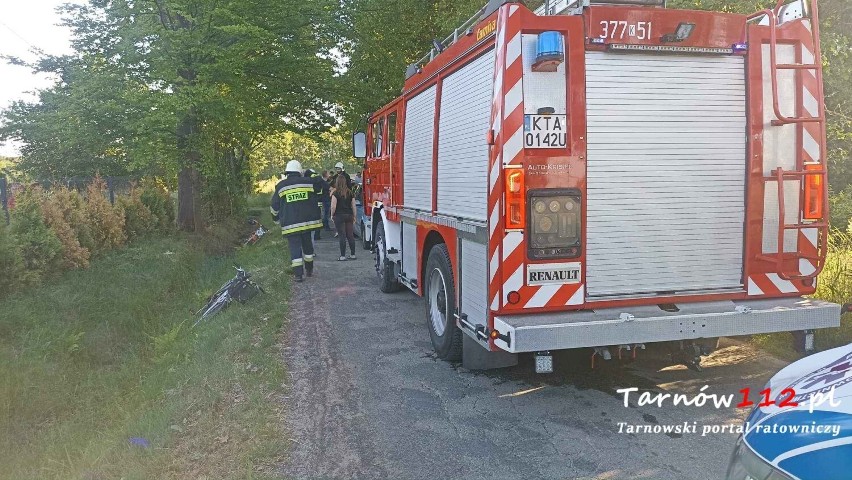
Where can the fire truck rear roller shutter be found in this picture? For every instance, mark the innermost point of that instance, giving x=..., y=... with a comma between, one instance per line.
x=720, y=218
x=665, y=204
x=462, y=146
x=666, y=173
x=641, y=174
x=719, y=126
x=417, y=150
x=685, y=160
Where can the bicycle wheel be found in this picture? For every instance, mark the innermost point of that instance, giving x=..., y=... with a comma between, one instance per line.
x=217, y=306
x=214, y=298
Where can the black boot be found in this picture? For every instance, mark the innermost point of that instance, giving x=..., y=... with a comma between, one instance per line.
x=309, y=269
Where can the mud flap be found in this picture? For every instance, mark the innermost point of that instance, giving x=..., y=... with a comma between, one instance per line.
x=475, y=357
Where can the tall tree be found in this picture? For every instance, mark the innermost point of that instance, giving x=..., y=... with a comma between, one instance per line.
x=384, y=37
x=194, y=85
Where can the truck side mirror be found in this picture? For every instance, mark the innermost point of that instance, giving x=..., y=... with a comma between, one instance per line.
x=359, y=144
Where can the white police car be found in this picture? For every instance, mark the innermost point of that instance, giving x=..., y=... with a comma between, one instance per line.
x=784, y=443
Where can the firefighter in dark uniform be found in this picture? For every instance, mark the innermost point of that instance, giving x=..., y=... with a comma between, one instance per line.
x=323, y=189
x=340, y=170
x=294, y=206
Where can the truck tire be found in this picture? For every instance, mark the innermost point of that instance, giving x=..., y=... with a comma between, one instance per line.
x=440, y=294
x=388, y=283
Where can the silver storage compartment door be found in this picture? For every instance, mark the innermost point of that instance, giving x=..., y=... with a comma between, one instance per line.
x=409, y=250
x=666, y=173
x=417, y=151
x=462, y=143
x=474, y=283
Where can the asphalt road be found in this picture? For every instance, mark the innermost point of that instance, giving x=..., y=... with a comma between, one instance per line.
x=367, y=398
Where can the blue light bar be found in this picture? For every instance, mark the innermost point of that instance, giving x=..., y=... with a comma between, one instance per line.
x=549, y=52
x=549, y=43
x=740, y=47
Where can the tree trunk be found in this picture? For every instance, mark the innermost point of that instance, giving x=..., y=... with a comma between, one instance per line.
x=189, y=206
x=189, y=180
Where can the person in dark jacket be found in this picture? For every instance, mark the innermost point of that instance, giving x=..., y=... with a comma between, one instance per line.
x=323, y=188
x=343, y=212
x=295, y=206
x=340, y=170
x=325, y=196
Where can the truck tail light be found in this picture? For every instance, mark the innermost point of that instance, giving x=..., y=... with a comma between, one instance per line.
x=516, y=211
x=814, y=192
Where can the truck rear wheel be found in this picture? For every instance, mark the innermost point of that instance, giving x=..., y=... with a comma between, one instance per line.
x=388, y=282
x=440, y=293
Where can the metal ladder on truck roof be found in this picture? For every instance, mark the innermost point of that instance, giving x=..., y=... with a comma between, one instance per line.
x=465, y=28
x=813, y=171
x=575, y=7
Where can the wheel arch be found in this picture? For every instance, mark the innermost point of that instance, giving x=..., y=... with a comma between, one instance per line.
x=432, y=236
x=391, y=227
x=448, y=341
x=375, y=216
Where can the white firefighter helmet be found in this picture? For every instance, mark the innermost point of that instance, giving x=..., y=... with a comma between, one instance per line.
x=339, y=165
x=294, y=166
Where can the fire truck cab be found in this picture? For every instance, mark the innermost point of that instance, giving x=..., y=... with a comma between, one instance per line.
x=605, y=174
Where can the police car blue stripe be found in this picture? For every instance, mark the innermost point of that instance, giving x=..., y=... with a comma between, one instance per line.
x=772, y=445
x=824, y=464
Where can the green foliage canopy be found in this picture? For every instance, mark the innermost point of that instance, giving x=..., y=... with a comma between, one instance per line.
x=167, y=86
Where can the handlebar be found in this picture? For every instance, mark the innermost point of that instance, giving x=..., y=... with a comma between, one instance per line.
x=241, y=273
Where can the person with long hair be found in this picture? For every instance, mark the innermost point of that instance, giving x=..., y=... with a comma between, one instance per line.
x=343, y=213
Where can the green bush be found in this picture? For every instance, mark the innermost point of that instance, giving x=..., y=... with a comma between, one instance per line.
x=40, y=249
x=840, y=205
x=835, y=285
x=107, y=220
x=159, y=203
x=10, y=263
x=60, y=229
x=138, y=219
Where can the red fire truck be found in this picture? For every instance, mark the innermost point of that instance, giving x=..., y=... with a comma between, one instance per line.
x=605, y=174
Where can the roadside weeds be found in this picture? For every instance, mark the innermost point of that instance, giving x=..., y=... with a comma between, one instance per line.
x=106, y=355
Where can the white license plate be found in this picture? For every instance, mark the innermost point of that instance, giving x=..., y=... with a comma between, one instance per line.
x=545, y=131
x=553, y=273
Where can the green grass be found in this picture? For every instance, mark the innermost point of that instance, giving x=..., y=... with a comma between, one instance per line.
x=834, y=285
x=107, y=354
x=258, y=207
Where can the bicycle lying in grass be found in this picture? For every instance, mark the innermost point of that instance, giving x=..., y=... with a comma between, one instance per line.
x=239, y=288
x=255, y=236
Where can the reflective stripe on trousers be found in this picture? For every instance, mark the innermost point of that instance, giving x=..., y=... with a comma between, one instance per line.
x=301, y=252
